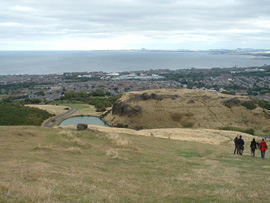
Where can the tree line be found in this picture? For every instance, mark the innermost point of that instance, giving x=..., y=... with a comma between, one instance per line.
x=98, y=98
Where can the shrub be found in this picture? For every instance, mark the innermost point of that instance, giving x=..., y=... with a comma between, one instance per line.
x=120, y=125
x=248, y=131
x=100, y=109
x=177, y=117
x=138, y=127
x=249, y=105
x=105, y=114
x=264, y=104
x=228, y=92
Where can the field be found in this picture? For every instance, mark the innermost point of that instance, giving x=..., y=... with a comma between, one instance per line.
x=82, y=109
x=53, y=109
x=41, y=164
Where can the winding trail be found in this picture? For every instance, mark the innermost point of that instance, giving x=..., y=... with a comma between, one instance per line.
x=51, y=123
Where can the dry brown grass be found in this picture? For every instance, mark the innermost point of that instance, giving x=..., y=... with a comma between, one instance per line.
x=75, y=150
x=38, y=165
x=113, y=153
x=118, y=140
x=197, y=135
x=206, y=111
x=73, y=138
x=53, y=109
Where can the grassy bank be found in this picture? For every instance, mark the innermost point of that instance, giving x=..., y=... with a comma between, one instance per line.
x=60, y=165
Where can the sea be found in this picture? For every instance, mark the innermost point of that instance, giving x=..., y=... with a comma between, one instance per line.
x=59, y=62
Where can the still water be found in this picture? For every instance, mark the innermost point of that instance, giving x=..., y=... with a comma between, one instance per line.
x=47, y=62
x=91, y=120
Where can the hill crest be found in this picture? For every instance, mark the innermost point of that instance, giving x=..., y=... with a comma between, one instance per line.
x=181, y=108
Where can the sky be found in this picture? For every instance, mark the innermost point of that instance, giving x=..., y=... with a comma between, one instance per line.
x=134, y=24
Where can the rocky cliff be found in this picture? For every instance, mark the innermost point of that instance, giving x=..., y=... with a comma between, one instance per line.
x=180, y=108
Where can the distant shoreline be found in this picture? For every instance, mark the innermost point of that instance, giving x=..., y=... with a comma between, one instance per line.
x=59, y=62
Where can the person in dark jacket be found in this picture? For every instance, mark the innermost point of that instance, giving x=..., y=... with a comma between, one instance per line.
x=235, y=144
x=240, y=144
x=253, y=145
x=263, y=147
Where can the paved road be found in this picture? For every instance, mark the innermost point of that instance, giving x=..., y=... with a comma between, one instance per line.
x=50, y=122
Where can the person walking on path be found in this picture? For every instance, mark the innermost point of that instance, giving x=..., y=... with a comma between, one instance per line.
x=240, y=144
x=263, y=147
x=235, y=144
x=253, y=145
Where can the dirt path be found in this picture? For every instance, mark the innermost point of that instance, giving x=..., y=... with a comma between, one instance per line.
x=51, y=123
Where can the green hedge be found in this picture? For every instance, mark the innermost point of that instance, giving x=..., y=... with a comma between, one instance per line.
x=248, y=131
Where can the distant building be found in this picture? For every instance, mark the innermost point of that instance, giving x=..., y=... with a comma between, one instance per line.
x=254, y=70
x=241, y=92
x=31, y=96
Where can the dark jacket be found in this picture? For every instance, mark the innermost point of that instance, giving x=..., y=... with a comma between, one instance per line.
x=240, y=142
x=253, y=144
x=235, y=140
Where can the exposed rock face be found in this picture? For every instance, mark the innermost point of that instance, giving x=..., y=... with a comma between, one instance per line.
x=232, y=102
x=82, y=126
x=187, y=109
x=125, y=108
x=122, y=108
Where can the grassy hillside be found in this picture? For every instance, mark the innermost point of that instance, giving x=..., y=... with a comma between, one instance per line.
x=16, y=114
x=120, y=165
x=181, y=108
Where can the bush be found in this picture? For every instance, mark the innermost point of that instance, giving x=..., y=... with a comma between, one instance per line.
x=105, y=114
x=101, y=109
x=249, y=105
x=120, y=125
x=264, y=104
x=248, y=131
x=97, y=98
x=187, y=124
x=228, y=92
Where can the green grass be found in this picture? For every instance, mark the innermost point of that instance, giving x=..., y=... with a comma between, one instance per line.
x=53, y=165
x=188, y=153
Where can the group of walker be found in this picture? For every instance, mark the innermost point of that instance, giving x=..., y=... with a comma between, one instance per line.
x=239, y=146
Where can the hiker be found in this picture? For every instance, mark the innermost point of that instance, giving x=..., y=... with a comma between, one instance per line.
x=253, y=146
x=235, y=144
x=263, y=147
x=240, y=144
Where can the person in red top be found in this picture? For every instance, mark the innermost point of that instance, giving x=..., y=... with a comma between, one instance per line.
x=263, y=147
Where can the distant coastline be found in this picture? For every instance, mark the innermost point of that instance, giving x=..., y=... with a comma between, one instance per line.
x=58, y=62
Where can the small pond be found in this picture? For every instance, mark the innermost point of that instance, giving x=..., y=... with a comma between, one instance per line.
x=91, y=120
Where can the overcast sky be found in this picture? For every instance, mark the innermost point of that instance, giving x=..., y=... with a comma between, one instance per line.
x=134, y=24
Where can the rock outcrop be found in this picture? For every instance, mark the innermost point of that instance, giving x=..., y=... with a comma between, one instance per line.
x=82, y=126
x=180, y=108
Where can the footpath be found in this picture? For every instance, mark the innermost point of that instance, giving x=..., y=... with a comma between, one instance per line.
x=51, y=122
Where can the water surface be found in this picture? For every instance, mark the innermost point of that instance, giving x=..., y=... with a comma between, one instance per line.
x=49, y=62
x=91, y=120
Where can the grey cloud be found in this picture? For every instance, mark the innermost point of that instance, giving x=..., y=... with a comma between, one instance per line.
x=56, y=19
